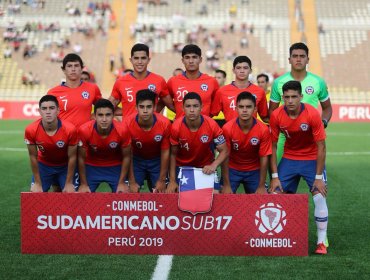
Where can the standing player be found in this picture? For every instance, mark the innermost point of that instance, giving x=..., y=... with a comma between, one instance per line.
x=220, y=76
x=52, y=147
x=225, y=99
x=263, y=82
x=75, y=97
x=193, y=137
x=192, y=80
x=249, y=143
x=150, y=136
x=304, y=154
x=125, y=88
x=104, y=151
x=314, y=89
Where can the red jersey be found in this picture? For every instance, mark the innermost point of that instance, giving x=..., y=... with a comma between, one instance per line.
x=225, y=100
x=246, y=149
x=205, y=85
x=103, y=151
x=126, y=87
x=301, y=133
x=195, y=148
x=76, y=103
x=52, y=150
x=148, y=144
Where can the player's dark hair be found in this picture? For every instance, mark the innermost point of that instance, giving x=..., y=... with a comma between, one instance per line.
x=221, y=72
x=292, y=85
x=263, y=75
x=128, y=71
x=245, y=95
x=241, y=59
x=145, y=94
x=103, y=103
x=139, y=47
x=72, y=57
x=191, y=48
x=47, y=98
x=192, y=95
x=298, y=46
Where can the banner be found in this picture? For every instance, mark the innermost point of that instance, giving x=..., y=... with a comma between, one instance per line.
x=351, y=113
x=105, y=223
x=19, y=110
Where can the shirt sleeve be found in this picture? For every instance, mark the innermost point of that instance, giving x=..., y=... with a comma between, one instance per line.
x=82, y=140
x=73, y=138
x=164, y=89
x=125, y=135
x=29, y=136
x=98, y=94
x=169, y=87
x=116, y=93
x=323, y=94
x=174, y=137
x=165, y=144
x=262, y=106
x=318, y=130
x=266, y=143
x=216, y=104
x=275, y=92
x=274, y=127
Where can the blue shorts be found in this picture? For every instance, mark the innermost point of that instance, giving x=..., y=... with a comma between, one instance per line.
x=146, y=169
x=99, y=174
x=52, y=175
x=249, y=179
x=290, y=172
x=217, y=185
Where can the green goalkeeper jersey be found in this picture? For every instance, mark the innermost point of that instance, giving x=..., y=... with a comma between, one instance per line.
x=314, y=89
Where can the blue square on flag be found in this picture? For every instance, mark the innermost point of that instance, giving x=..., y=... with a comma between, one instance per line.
x=196, y=190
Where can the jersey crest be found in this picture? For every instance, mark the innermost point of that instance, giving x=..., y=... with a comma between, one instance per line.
x=204, y=138
x=304, y=126
x=152, y=87
x=60, y=144
x=309, y=90
x=158, y=138
x=254, y=141
x=113, y=145
x=204, y=87
x=85, y=95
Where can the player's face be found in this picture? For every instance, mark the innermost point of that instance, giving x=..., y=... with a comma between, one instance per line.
x=192, y=109
x=176, y=72
x=298, y=60
x=145, y=110
x=85, y=78
x=262, y=83
x=292, y=100
x=245, y=109
x=220, y=79
x=191, y=62
x=104, y=118
x=140, y=61
x=73, y=71
x=49, y=111
x=242, y=71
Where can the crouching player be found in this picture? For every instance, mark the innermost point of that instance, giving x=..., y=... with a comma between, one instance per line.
x=249, y=143
x=304, y=154
x=193, y=138
x=150, y=137
x=104, y=151
x=52, y=148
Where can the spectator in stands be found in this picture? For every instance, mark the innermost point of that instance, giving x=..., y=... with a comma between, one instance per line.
x=77, y=48
x=244, y=42
x=233, y=10
x=7, y=52
x=112, y=62
x=321, y=28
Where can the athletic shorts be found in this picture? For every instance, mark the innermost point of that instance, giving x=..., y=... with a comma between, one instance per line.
x=290, y=172
x=51, y=175
x=146, y=169
x=96, y=175
x=249, y=179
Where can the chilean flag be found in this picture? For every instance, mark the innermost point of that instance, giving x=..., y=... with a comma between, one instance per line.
x=196, y=190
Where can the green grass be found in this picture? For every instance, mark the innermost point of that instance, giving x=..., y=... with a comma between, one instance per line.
x=349, y=217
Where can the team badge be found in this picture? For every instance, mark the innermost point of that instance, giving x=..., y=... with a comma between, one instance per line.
x=152, y=87
x=158, y=138
x=85, y=95
x=204, y=138
x=219, y=140
x=254, y=141
x=204, y=87
x=113, y=145
x=270, y=218
x=309, y=90
x=60, y=144
x=304, y=127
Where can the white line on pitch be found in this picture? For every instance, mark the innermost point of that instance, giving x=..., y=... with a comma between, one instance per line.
x=13, y=149
x=348, y=153
x=163, y=267
x=349, y=134
x=11, y=131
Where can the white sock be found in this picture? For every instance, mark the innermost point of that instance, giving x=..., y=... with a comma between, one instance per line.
x=321, y=217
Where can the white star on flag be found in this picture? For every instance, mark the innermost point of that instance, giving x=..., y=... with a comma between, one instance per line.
x=184, y=180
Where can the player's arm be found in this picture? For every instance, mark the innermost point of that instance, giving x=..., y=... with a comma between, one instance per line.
x=32, y=152
x=263, y=109
x=273, y=106
x=115, y=102
x=134, y=187
x=122, y=186
x=173, y=186
x=81, y=152
x=275, y=182
x=263, y=172
x=226, y=187
x=223, y=154
x=160, y=185
x=327, y=112
x=72, y=158
x=319, y=184
x=168, y=102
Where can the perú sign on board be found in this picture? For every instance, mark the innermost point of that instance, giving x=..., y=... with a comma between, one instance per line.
x=104, y=223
